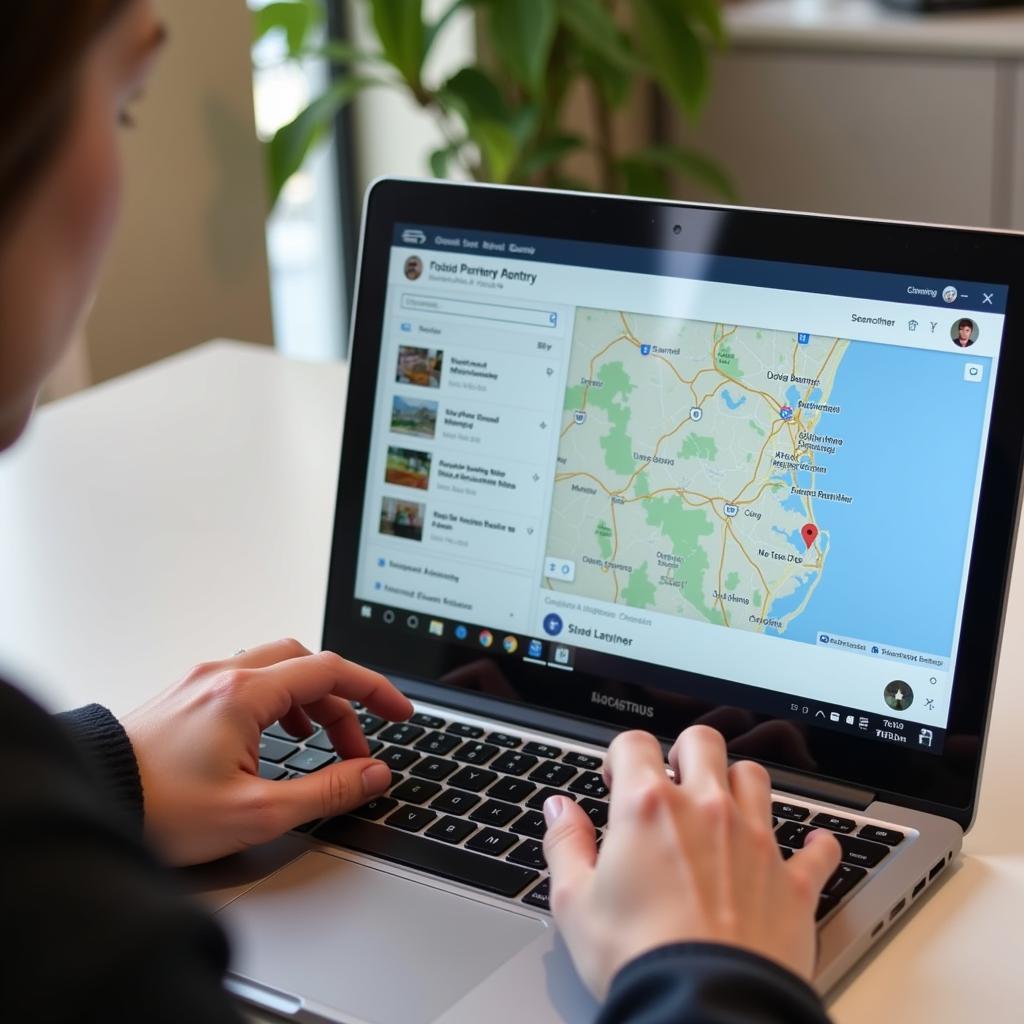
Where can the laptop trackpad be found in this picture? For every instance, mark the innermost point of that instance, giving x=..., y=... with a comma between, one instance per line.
x=372, y=945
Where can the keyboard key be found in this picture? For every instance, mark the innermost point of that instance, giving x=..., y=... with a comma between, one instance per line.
x=455, y=801
x=435, y=768
x=536, y=802
x=530, y=824
x=494, y=812
x=529, y=853
x=475, y=753
x=861, y=852
x=514, y=764
x=450, y=862
x=590, y=784
x=542, y=750
x=321, y=741
x=791, y=833
x=376, y=808
x=411, y=819
x=428, y=721
x=578, y=760
x=889, y=836
x=826, y=904
x=786, y=852
x=397, y=778
x=438, y=743
x=273, y=772
x=513, y=790
x=503, y=739
x=551, y=773
x=597, y=810
x=278, y=731
x=370, y=723
x=834, y=822
x=450, y=830
x=309, y=760
x=416, y=791
x=402, y=733
x=473, y=779
x=540, y=896
x=791, y=811
x=275, y=750
x=490, y=840
x=398, y=758
x=843, y=880
x=474, y=732
x=374, y=746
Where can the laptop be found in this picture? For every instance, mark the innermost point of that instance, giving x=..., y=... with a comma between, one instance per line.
x=613, y=463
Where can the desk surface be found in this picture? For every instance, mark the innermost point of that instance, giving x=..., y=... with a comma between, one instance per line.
x=185, y=510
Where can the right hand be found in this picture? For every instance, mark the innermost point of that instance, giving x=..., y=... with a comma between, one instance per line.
x=688, y=861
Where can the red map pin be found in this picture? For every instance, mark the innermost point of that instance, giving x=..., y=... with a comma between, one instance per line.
x=809, y=534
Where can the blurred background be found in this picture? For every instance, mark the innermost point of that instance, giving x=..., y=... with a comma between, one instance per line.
x=266, y=121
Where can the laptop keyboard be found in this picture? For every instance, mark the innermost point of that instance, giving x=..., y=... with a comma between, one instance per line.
x=465, y=804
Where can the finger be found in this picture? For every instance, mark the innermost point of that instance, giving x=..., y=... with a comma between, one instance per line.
x=570, y=848
x=699, y=760
x=336, y=789
x=816, y=861
x=635, y=762
x=752, y=790
x=269, y=654
x=297, y=722
x=341, y=724
x=309, y=679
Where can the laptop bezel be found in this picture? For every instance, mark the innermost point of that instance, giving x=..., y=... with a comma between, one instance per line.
x=946, y=783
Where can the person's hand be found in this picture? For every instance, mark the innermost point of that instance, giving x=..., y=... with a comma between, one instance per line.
x=197, y=745
x=687, y=861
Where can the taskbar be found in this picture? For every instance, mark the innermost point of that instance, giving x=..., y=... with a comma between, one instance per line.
x=546, y=652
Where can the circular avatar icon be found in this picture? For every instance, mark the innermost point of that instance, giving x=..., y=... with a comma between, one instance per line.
x=511, y=644
x=461, y=632
x=949, y=293
x=552, y=624
x=413, y=267
x=964, y=332
x=898, y=695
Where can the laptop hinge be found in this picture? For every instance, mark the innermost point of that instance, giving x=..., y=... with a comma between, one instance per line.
x=821, y=789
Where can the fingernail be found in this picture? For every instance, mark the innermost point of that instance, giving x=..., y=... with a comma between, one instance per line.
x=376, y=778
x=553, y=807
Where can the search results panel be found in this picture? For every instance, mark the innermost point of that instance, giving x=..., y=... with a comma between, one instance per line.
x=466, y=433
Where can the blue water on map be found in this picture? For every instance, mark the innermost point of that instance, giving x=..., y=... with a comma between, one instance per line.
x=731, y=402
x=912, y=431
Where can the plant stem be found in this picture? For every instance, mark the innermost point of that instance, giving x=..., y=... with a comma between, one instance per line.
x=605, y=142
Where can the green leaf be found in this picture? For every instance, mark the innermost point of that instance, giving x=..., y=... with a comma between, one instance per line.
x=676, y=56
x=439, y=160
x=690, y=164
x=474, y=94
x=296, y=18
x=549, y=152
x=522, y=32
x=342, y=53
x=641, y=178
x=709, y=14
x=498, y=147
x=594, y=28
x=289, y=147
x=434, y=30
x=614, y=82
x=399, y=25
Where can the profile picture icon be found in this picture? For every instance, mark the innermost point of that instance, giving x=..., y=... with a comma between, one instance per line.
x=898, y=695
x=949, y=294
x=964, y=332
x=413, y=267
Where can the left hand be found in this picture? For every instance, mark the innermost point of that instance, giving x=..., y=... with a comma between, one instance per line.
x=197, y=746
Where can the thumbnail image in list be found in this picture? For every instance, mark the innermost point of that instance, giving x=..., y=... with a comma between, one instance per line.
x=408, y=468
x=399, y=518
x=419, y=366
x=416, y=416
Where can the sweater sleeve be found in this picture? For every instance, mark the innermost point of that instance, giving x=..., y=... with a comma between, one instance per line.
x=104, y=743
x=101, y=931
x=704, y=983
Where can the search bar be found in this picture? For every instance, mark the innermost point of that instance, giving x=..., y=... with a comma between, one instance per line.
x=481, y=310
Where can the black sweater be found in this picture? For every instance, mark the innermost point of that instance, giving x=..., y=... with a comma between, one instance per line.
x=98, y=930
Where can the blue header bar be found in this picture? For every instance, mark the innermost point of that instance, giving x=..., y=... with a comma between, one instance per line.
x=798, y=277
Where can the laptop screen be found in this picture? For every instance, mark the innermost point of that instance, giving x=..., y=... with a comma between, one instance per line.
x=664, y=466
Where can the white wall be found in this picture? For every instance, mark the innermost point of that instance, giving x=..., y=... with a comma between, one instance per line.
x=189, y=262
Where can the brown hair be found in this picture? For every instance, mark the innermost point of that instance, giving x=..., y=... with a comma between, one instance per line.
x=41, y=49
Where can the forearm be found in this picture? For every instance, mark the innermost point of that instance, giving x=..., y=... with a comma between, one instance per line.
x=700, y=983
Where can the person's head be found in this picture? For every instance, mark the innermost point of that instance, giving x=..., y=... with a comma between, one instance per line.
x=965, y=329
x=68, y=72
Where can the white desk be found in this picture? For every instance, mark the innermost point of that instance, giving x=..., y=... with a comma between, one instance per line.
x=185, y=511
